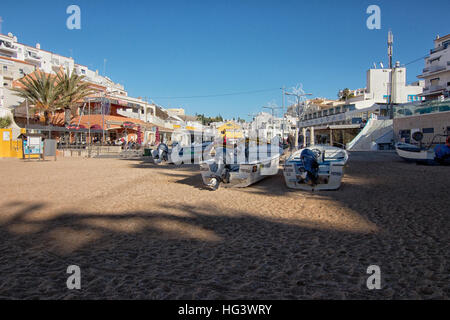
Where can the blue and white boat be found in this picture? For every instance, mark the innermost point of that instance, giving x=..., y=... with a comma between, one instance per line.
x=440, y=155
x=318, y=167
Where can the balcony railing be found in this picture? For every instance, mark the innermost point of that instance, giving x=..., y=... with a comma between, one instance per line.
x=32, y=57
x=419, y=108
x=437, y=68
x=10, y=48
x=436, y=88
x=155, y=120
x=438, y=49
x=434, y=69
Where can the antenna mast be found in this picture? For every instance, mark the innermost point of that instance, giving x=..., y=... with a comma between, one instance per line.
x=390, y=43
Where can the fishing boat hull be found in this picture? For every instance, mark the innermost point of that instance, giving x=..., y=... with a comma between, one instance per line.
x=179, y=155
x=238, y=175
x=427, y=157
x=328, y=169
x=412, y=153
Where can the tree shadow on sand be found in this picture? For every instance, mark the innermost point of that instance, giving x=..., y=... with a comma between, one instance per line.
x=191, y=253
x=208, y=252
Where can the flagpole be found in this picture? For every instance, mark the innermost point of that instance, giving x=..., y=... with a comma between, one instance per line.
x=89, y=125
x=28, y=117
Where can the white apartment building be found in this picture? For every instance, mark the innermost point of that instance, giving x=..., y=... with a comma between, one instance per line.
x=382, y=86
x=50, y=62
x=437, y=69
x=267, y=126
x=18, y=60
x=355, y=92
x=10, y=70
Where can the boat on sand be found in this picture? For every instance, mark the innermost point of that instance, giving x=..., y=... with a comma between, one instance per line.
x=239, y=166
x=318, y=167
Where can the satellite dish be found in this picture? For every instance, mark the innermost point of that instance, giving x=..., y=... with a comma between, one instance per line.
x=418, y=136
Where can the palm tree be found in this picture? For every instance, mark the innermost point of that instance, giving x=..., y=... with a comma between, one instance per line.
x=73, y=90
x=42, y=92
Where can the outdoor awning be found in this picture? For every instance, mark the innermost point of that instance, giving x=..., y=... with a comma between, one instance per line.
x=96, y=127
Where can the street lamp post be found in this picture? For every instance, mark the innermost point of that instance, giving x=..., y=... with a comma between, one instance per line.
x=298, y=96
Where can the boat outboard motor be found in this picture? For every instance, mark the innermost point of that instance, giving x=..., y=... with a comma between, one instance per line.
x=311, y=166
x=221, y=175
x=221, y=170
x=161, y=153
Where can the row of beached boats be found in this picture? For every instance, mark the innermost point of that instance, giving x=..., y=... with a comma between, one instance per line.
x=317, y=167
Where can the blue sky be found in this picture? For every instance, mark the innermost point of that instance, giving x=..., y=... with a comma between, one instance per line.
x=189, y=48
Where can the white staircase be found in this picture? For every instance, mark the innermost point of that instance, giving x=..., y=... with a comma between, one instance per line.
x=373, y=131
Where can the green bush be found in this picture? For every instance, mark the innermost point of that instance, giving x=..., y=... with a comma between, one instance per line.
x=5, y=122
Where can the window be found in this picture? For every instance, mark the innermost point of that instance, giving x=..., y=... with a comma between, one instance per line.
x=5, y=68
x=405, y=135
x=428, y=130
x=83, y=71
x=21, y=71
x=434, y=82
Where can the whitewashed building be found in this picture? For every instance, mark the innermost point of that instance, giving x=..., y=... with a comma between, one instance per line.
x=382, y=86
x=437, y=69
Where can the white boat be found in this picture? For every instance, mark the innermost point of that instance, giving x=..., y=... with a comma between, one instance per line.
x=410, y=152
x=318, y=167
x=225, y=168
x=188, y=154
x=178, y=154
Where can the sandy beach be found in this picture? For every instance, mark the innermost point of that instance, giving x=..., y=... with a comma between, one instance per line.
x=140, y=231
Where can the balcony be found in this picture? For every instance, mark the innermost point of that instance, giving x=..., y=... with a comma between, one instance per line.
x=7, y=47
x=436, y=68
x=433, y=89
x=438, y=49
x=155, y=120
x=433, y=69
x=32, y=57
x=436, y=88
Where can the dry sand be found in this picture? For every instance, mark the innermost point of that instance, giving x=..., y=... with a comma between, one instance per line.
x=153, y=232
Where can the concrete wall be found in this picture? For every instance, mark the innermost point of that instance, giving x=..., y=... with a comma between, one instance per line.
x=439, y=121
